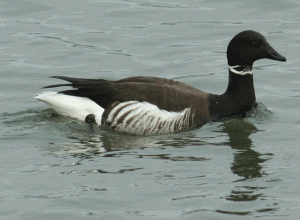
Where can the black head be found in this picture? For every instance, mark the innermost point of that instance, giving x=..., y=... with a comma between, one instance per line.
x=249, y=46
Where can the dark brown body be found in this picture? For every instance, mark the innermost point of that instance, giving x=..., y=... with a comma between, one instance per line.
x=166, y=94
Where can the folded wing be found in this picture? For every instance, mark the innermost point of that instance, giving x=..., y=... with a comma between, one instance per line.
x=166, y=94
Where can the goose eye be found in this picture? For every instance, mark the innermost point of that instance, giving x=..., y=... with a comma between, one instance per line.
x=255, y=43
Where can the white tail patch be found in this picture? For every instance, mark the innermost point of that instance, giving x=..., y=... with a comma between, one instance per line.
x=72, y=106
x=143, y=118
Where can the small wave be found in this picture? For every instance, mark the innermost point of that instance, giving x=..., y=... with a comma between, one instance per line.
x=260, y=114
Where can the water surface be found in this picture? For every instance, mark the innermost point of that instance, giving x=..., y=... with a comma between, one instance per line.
x=53, y=167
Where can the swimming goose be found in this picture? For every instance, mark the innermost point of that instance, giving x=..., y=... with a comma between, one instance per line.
x=151, y=105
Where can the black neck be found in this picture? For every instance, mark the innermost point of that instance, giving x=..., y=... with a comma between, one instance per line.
x=237, y=100
x=240, y=84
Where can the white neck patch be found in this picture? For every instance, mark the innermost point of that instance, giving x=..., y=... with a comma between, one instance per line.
x=244, y=70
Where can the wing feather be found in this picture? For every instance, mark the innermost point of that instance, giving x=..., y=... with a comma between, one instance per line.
x=143, y=118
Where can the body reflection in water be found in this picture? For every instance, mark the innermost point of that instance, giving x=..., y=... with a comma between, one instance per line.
x=104, y=140
x=91, y=142
x=247, y=162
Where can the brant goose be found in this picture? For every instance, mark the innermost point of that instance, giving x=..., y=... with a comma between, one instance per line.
x=151, y=105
